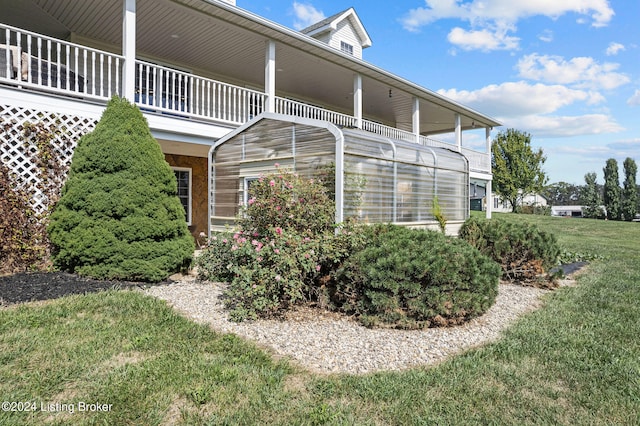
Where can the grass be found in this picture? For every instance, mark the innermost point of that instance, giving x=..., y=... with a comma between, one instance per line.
x=575, y=361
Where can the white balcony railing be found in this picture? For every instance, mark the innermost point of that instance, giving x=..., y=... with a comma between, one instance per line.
x=32, y=60
x=386, y=131
x=176, y=92
x=478, y=161
x=299, y=109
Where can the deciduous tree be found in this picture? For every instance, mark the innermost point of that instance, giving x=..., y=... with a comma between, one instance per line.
x=562, y=194
x=517, y=168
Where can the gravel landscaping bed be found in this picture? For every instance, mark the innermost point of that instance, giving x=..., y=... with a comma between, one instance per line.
x=331, y=343
x=316, y=340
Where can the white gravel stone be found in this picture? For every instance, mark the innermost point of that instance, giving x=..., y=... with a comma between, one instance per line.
x=337, y=344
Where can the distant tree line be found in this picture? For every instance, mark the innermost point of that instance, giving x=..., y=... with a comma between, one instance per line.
x=608, y=200
x=518, y=171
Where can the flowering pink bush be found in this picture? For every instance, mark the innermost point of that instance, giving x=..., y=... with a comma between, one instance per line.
x=285, y=201
x=285, y=240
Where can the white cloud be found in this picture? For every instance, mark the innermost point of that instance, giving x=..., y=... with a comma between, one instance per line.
x=634, y=100
x=546, y=36
x=580, y=72
x=618, y=149
x=435, y=10
x=585, y=151
x=485, y=39
x=487, y=17
x=534, y=107
x=566, y=126
x=614, y=48
x=626, y=147
x=305, y=15
x=514, y=99
x=506, y=10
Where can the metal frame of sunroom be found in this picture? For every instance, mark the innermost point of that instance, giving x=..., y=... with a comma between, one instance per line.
x=377, y=179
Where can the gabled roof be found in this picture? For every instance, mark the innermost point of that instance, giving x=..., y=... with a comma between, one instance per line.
x=331, y=24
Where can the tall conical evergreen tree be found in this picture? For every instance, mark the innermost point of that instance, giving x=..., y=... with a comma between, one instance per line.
x=591, y=197
x=630, y=190
x=612, y=191
x=119, y=216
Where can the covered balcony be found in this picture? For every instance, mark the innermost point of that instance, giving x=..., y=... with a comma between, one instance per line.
x=30, y=61
x=215, y=64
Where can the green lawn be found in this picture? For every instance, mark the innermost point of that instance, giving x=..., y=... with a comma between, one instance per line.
x=575, y=361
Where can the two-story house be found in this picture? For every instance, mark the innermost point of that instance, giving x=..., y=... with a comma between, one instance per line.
x=228, y=93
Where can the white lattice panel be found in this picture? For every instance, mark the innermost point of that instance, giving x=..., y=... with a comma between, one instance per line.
x=19, y=155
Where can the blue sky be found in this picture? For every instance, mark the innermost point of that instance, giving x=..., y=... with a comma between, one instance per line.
x=566, y=71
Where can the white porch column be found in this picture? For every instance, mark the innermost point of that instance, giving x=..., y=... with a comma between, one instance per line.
x=487, y=135
x=459, y=132
x=415, y=118
x=357, y=99
x=489, y=198
x=270, y=76
x=129, y=50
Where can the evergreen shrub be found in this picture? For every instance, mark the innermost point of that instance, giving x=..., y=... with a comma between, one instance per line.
x=118, y=216
x=524, y=251
x=407, y=278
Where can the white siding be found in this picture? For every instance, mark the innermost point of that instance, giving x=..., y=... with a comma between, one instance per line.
x=325, y=38
x=346, y=33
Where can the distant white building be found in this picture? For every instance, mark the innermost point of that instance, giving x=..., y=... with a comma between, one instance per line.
x=573, y=211
x=503, y=206
x=567, y=211
x=478, y=199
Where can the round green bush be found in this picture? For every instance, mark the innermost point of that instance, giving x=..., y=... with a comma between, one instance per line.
x=523, y=250
x=119, y=216
x=406, y=278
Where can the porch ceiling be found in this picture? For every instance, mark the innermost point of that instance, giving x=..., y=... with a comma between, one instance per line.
x=221, y=41
x=181, y=148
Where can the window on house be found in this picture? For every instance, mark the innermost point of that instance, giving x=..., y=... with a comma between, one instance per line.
x=248, y=181
x=346, y=48
x=183, y=176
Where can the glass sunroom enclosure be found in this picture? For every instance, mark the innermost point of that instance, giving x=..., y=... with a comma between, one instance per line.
x=377, y=179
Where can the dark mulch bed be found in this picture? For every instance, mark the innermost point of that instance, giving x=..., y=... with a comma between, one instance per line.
x=26, y=287
x=31, y=286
